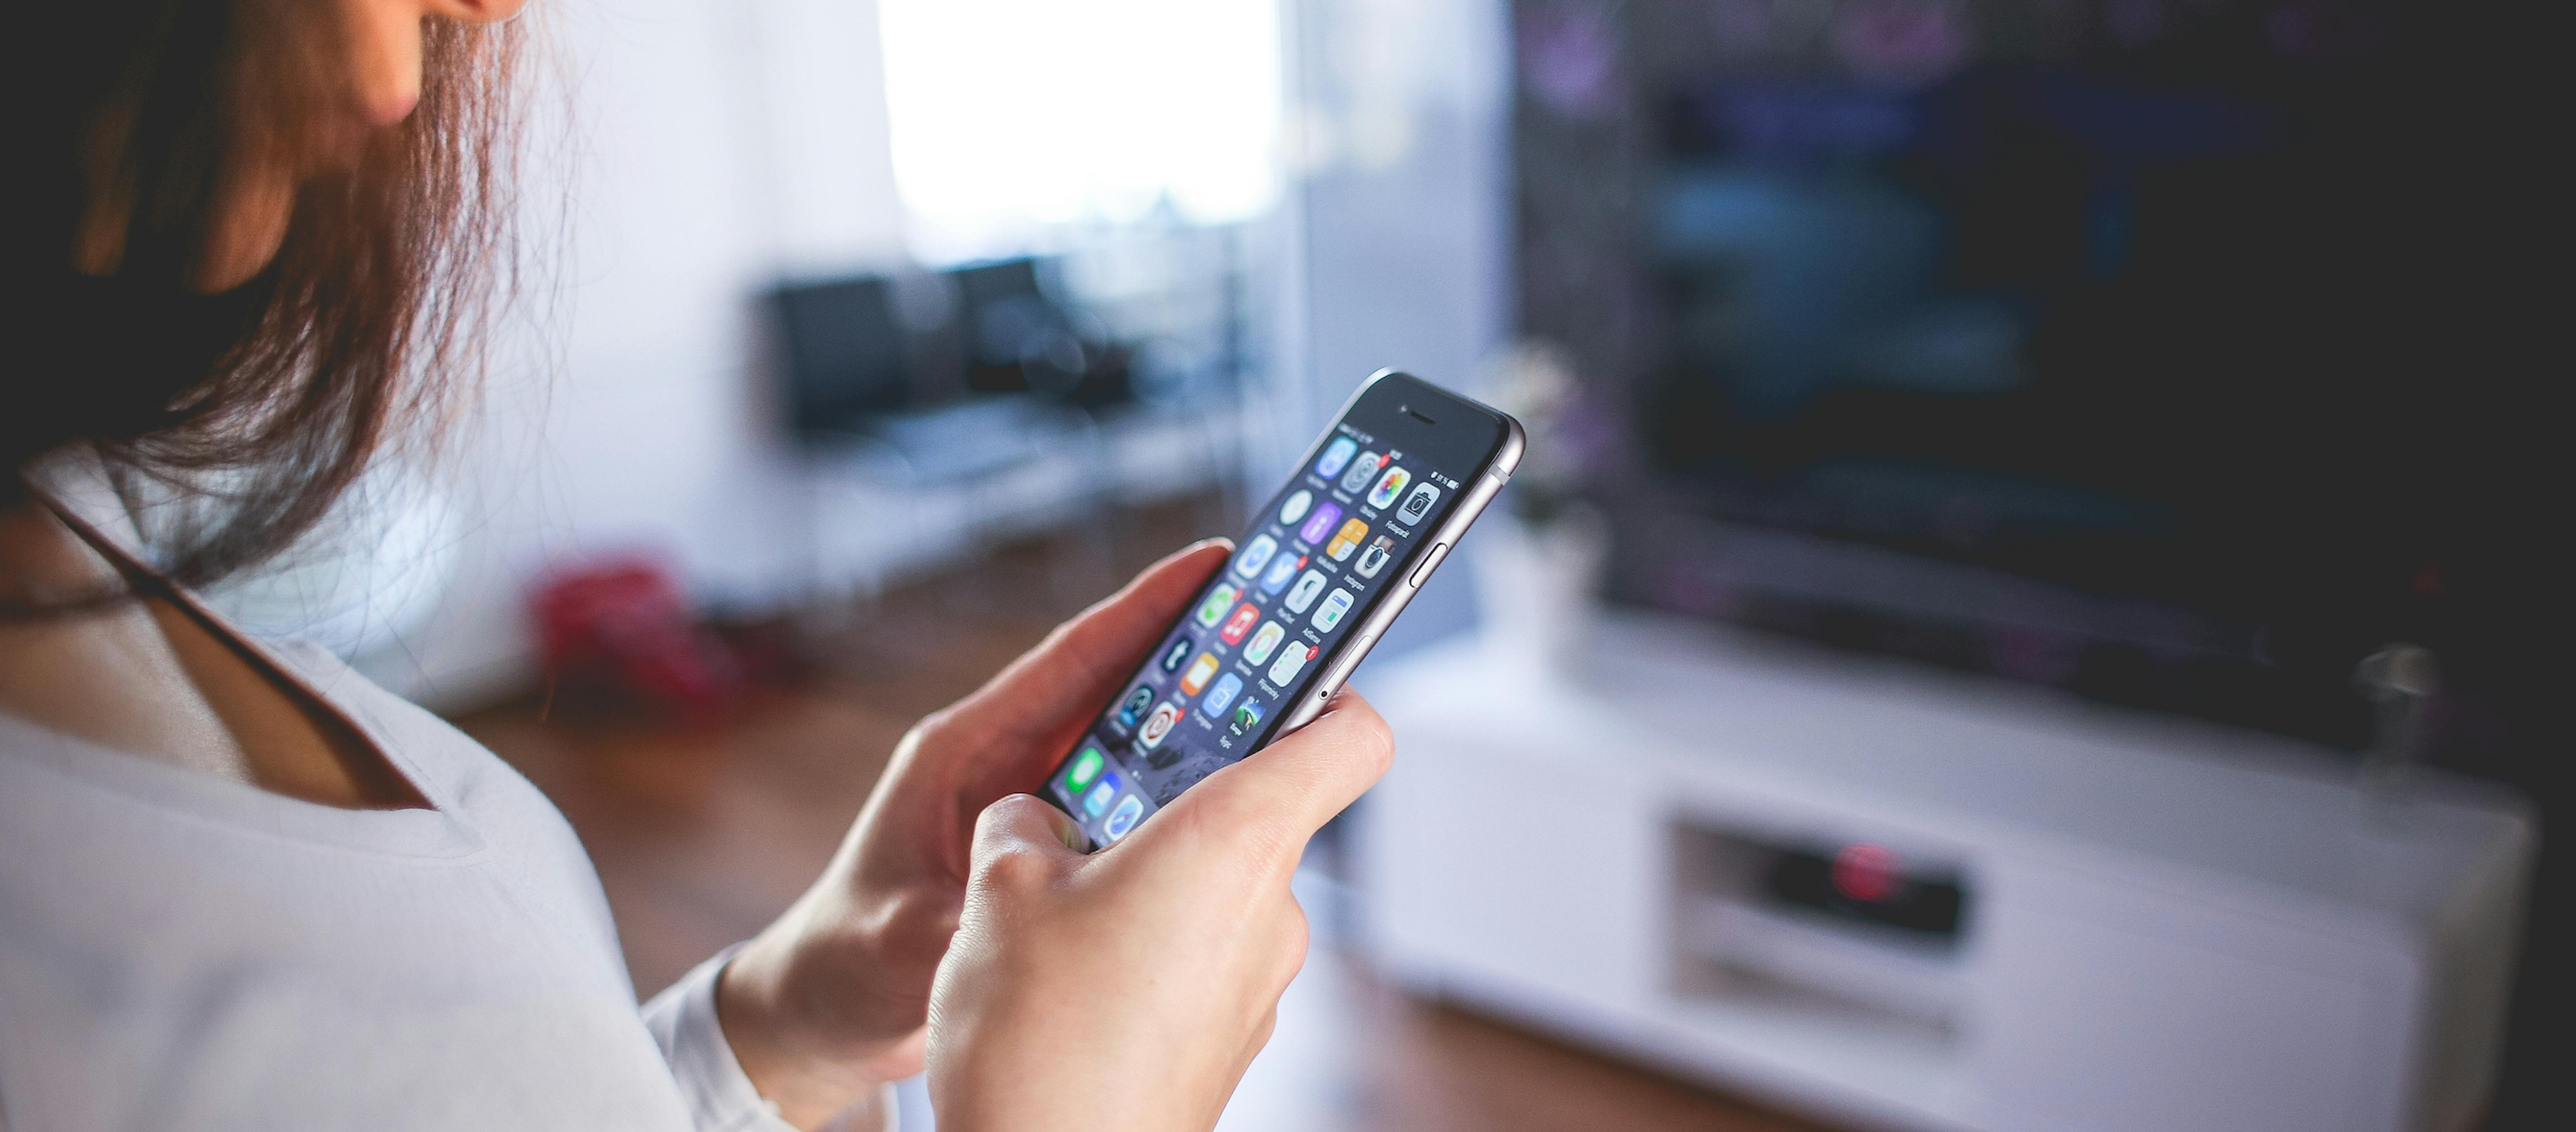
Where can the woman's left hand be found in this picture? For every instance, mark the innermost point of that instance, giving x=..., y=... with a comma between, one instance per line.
x=830, y=1001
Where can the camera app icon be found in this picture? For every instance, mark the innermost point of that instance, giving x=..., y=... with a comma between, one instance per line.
x=1419, y=503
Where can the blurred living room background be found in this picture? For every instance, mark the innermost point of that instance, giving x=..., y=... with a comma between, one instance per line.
x=2034, y=602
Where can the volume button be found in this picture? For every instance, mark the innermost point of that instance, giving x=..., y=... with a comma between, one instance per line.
x=1359, y=649
x=1350, y=663
x=1430, y=562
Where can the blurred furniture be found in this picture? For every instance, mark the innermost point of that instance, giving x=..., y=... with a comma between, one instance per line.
x=847, y=355
x=938, y=414
x=917, y=491
x=1019, y=339
x=1907, y=899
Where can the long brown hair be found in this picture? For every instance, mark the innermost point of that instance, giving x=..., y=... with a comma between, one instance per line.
x=256, y=407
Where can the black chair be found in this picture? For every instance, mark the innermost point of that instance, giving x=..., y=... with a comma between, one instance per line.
x=869, y=401
x=847, y=356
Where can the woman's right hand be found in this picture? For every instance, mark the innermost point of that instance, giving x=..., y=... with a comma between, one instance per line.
x=1134, y=985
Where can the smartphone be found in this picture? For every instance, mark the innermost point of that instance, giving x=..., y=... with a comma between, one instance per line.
x=1331, y=558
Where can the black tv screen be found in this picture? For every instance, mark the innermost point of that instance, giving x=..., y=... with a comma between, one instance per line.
x=2177, y=354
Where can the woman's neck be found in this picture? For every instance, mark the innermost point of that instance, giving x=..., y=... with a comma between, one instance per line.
x=152, y=677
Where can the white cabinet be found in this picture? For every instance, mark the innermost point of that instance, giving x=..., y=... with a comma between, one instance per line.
x=2164, y=924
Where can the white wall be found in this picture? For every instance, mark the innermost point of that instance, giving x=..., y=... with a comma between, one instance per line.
x=710, y=150
x=1401, y=224
x=715, y=148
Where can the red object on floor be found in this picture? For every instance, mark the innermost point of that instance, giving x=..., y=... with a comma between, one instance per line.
x=621, y=625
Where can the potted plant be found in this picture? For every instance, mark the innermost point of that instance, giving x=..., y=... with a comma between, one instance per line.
x=1539, y=569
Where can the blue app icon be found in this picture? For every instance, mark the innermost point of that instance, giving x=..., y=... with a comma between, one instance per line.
x=1129, y=809
x=1132, y=712
x=1097, y=802
x=1282, y=568
x=1255, y=553
x=1227, y=688
x=1336, y=454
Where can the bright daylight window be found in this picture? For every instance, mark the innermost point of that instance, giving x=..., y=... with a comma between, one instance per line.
x=1014, y=119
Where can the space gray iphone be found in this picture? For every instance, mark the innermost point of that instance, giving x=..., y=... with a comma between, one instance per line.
x=1329, y=561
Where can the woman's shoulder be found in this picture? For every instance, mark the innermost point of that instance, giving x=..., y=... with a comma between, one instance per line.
x=469, y=940
x=456, y=771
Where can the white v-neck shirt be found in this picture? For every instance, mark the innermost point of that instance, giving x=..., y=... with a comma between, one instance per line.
x=179, y=951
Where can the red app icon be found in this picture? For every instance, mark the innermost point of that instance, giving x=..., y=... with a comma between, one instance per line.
x=1239, y=624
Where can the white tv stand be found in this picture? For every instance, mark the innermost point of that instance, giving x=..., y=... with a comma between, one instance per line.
x=2168, y=926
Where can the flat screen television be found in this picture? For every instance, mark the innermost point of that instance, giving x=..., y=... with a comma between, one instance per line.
x=2177, y=354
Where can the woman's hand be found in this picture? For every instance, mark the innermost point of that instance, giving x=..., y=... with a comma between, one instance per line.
x=1135, y=984
x=828, y=1002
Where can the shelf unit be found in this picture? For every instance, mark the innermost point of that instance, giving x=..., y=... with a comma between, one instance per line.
x=2168, y=924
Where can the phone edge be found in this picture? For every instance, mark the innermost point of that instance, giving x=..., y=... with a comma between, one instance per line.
x=1497, y=472
x=1490, y=480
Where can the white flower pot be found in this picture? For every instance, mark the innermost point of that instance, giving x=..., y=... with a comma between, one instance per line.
x=1538, y=589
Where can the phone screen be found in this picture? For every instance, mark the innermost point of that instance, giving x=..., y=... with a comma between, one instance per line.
x=1322, y=553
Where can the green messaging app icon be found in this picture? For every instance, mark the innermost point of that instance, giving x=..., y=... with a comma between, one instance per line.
x=1086, y=767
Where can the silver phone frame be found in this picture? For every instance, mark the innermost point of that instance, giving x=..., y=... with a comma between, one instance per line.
x=1442, y=543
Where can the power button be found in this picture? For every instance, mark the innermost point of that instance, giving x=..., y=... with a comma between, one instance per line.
x=1429, y=562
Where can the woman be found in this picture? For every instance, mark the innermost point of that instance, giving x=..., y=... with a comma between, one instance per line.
x=240, y=888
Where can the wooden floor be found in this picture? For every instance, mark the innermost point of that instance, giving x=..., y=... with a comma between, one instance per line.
x=703, y=833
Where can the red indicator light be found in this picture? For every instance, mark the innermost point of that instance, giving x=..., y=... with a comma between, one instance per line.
x=1866, y=872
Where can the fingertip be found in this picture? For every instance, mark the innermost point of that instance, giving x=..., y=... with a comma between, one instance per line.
x=1316, y=772
x=1348, y=697
x=1191, y=564
x=1017, y=821
x=1200, y=547
x=1017, y=810
x=1067, y=833
x=1350, y=710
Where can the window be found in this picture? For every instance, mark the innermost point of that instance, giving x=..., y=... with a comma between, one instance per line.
x=1014, y=119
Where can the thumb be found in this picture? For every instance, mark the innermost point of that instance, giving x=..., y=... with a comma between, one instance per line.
x=1083, y=662
x=1295, y=785
x=1024, y=830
